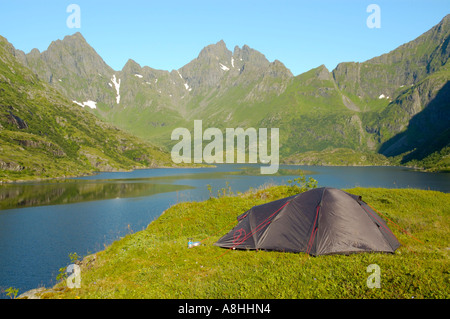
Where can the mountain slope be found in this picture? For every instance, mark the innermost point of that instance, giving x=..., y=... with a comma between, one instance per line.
x=405, y=66
x=404, y=99
x=425, y=139
x=414, y=124
x=42, y=134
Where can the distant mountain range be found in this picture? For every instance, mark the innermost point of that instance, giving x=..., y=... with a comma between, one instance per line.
x=394, y=108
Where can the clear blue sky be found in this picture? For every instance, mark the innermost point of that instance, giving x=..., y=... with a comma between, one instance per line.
x=167, y=34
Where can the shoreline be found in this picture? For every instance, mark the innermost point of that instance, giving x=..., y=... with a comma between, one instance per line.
x=60, y=178
x=93, y=173
x=415, y=168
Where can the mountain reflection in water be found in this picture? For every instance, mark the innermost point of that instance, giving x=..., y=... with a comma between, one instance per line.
x=68, y=192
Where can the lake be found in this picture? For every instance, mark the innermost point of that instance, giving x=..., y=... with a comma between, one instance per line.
x=42, y=223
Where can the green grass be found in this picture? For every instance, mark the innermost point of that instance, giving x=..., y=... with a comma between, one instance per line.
x=156, y=263
x=438, y=161
x=339, y=157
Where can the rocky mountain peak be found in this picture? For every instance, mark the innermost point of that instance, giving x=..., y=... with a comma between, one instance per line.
x=215, y=51
x=34, y=53
x=72, y=55
x=131, y=67
x=247, y=54
x=323, y=73
x=75, y=42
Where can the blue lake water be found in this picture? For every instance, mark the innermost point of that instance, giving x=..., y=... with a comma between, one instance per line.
x=42, y=223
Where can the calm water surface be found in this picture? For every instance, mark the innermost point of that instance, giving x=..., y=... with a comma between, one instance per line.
x=41, y=223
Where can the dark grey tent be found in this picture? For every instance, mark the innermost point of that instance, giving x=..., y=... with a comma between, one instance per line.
x=318, y=222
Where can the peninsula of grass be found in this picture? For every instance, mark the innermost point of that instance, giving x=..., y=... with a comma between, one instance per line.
x=156, y=263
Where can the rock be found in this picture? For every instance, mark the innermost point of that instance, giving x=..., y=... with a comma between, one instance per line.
x=11, y=166
x=17, y=121
x=32, y=294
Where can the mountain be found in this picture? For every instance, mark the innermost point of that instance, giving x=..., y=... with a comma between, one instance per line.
x=149, y=102
x=399, y=100
x=43, y=134
x=405, y=66
x=73, y=67
x=395, y=104
x=413, y=80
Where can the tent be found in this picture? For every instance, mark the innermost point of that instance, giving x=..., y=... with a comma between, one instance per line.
x=320, y=221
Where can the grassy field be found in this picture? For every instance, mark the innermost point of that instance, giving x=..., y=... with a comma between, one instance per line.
x=156, y=262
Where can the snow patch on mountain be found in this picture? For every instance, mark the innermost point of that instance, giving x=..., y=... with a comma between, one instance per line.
x=223, y=67
x=91, y=104
x=117, y=87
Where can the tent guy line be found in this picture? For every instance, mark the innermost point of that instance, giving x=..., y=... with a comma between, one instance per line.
x=255, y=230
x=396, y=225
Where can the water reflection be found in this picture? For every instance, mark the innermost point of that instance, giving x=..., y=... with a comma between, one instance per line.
x=68, y=192
x=94, y=188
